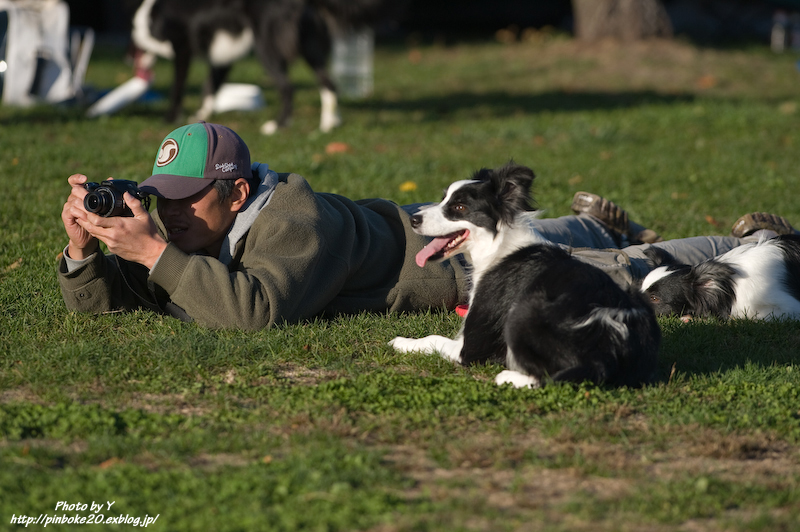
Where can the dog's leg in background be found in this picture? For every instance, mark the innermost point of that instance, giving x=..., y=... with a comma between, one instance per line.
x=206, y=109
x=216, y=77
x=329, y=117
x=449, y=349
x=278, y=70
x=315, y=47
x=275, y=47
x=329, y=102
x=182, y=61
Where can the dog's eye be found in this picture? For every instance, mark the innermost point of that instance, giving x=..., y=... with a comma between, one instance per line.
x=460, y=208
x=655, y=299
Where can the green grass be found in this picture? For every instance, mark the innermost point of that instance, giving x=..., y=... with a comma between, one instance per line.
x=319, y=425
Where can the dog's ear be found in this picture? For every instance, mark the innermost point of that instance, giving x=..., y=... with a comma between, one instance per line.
x=484, y=174
x=521, y=175
x=635, y=287
x=712, y=283
x=512, y=185
x=658, y=257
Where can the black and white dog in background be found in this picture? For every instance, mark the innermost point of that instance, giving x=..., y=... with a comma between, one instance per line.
x=757, y=280
x=223, y=31
x=545, y=314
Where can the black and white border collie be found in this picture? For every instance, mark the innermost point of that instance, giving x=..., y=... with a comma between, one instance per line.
x=758, y=280
x=221, y=32
x=545, y=314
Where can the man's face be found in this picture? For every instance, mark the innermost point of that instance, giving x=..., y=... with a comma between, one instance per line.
x=198, y=223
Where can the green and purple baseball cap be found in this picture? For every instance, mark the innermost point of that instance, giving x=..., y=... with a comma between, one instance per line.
x=193, y=156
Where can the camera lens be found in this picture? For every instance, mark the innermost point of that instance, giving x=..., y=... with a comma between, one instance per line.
x=99, y=202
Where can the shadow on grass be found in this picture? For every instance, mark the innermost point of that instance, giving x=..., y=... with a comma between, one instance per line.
x=706, y=347
x=501, y=104
x=67, y=114
x=495, y=104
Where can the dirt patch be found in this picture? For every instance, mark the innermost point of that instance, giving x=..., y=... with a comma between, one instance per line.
x=20, y=395
x=52, y=445
x=749, y=458
x=303, y=376
x=498, y=468
x=171, y=403
x=534, y=477
x=218, y=460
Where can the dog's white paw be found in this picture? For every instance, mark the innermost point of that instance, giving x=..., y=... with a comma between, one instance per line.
x=516, y=379
x=446, y=347
x=269, y=128
x=407, y=345
x=205, y=111
x=329, y=122
x=329, y=115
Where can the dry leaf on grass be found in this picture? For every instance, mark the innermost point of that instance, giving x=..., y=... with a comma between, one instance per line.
x=14, y=265
x=706, y=82
x=111, y=462
x=338, y=147
x=713, y=221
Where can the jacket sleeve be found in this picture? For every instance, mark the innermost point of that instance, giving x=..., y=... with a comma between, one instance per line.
x=616, y=263
x=105, y=283
x=285, y=273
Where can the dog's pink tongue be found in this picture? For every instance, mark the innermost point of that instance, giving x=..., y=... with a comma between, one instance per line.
x=436, y=245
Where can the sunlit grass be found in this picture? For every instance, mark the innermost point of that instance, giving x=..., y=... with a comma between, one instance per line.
x=320, y=425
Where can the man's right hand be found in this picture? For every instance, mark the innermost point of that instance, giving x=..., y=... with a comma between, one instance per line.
x=81, y=243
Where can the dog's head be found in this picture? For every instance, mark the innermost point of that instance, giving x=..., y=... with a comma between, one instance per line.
x=699, y=291
x=473, y=210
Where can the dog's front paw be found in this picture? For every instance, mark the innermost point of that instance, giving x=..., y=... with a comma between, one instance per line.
x=404, y=345
x=447, y=348
x=516, y=379
x=330, y=121
x=269, y=128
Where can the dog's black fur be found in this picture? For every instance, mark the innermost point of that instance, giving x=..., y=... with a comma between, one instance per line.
x=687, y=290
x=542, y=312
x=533, y=303
x=282, y=31
x=755, y=280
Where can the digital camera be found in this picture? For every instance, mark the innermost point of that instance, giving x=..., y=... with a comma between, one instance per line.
x=106, y=198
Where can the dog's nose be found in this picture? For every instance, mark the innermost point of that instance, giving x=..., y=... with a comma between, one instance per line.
x=416, y=220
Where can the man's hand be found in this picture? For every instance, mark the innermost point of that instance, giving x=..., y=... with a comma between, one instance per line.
x=81, y=242
x=134, y=239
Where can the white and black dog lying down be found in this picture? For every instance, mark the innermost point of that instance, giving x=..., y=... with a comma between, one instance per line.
x=532, y=306
x=222, y=32
x=757, y=280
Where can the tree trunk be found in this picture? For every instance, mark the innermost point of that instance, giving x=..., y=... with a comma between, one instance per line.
x=626, y=20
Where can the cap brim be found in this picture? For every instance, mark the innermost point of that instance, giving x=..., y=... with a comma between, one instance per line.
x=173, y=186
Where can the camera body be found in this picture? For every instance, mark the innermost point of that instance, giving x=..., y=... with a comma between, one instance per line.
x=106, y=198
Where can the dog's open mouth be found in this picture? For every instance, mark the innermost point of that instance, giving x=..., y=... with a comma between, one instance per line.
x=441, y=247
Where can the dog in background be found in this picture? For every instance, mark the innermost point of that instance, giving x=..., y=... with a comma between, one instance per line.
x=757, y=280
x=223, y=31
x=544, y=313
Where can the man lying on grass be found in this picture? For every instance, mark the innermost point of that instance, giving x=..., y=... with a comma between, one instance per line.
x=235, y=245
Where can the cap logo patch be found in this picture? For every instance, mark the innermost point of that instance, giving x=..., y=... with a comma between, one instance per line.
x=226, y=167
x=167, y=153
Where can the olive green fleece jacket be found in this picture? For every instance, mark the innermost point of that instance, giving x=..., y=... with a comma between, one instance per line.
x=307, y=254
